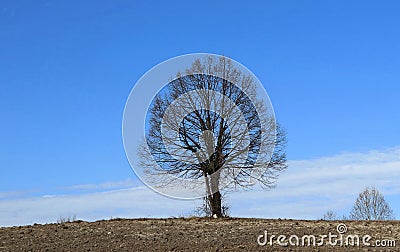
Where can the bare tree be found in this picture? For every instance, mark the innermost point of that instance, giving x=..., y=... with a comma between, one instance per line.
x=231, y=142
x=371, y=205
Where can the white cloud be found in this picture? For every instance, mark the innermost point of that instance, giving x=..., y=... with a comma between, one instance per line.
x=306, y=190
x=10, y=194
x=104, y=186
x=132, y=202
x=311, y=187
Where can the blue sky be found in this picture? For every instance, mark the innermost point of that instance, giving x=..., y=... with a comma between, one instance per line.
x=331, y=69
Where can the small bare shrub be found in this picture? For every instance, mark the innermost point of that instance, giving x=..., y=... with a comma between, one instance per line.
x=65, y=219
x=330, y=215
x=204, y=210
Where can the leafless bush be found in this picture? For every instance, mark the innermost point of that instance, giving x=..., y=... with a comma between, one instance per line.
x=330, y=215
x=65, y=219
x=204, y=210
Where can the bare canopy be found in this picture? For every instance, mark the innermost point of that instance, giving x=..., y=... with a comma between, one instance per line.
x=208, y=123
x=371, y=205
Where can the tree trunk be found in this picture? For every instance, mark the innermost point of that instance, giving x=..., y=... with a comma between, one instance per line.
x=215, y=204
x=215, y=198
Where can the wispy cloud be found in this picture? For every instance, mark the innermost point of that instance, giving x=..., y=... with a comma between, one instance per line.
x=132, y=202
x=306, y=190
x=11, y=194
x=110, y=185
x=311, y=187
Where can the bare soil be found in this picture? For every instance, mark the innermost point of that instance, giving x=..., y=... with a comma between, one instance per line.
x=192, y=234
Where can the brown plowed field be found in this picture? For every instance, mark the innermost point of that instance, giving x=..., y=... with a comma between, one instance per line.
x=192, y=234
